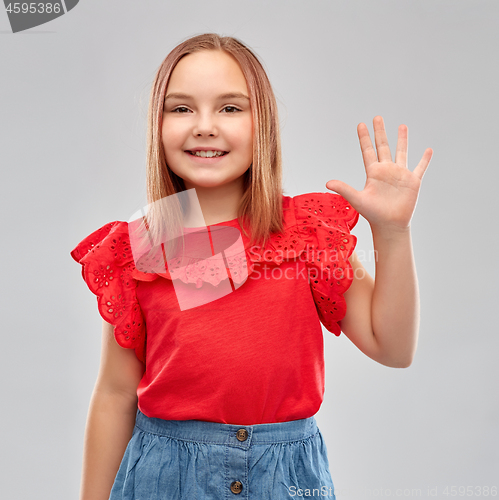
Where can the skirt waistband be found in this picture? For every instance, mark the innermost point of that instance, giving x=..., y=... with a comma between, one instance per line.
x=241, y=436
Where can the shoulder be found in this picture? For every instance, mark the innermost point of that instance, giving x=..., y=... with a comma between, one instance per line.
x=106, y=258
x=107, y=268
x=112, y=236
x=321, y=208
x=323, y=223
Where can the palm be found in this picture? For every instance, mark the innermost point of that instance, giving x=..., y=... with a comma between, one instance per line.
x=391, y=191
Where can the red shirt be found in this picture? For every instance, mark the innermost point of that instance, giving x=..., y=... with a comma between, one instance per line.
x=255, y=354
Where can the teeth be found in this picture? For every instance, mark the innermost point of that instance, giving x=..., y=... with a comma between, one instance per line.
x=208, y=154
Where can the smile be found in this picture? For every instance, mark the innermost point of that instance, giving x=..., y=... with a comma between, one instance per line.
x=207, y=154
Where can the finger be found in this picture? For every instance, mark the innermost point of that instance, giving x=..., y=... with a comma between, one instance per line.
x=381, y=140
x=366, y=146
x=348, y=192
x=423, y=164
x=401, y=152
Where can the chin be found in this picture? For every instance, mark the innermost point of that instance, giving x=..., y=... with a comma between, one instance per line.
x=209, y=181
x=206, y=185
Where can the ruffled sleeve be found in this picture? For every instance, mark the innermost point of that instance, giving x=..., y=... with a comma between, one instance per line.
x=325, y=221
x=107, y=266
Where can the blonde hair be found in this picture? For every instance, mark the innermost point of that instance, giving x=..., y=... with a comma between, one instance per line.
x=260, y=208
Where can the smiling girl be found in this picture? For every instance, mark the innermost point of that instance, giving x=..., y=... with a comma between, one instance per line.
x=218, y=400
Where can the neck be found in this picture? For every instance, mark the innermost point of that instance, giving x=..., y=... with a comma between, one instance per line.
x=219, y=203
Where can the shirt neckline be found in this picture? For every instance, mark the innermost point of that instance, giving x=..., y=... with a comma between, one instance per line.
x=232, y=222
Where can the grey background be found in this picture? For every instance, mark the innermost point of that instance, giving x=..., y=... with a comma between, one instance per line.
x=73, y=106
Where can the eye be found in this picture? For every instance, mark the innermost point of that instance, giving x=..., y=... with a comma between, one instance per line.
x=233, y=108
x=178, y=110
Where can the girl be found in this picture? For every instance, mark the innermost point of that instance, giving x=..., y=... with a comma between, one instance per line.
x=212, y=363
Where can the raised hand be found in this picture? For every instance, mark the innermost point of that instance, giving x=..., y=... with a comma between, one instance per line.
x=390, y=194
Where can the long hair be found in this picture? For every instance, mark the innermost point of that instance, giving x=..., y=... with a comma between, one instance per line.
x=260, y=208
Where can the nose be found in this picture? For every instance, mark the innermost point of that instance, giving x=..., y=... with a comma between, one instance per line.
x=205, y=125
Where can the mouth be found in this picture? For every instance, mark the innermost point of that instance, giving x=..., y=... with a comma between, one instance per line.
x=207, y=154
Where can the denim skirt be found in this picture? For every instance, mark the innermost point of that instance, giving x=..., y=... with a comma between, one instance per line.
x=194, y=459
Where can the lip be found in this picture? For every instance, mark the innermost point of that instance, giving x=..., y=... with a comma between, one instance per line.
x=200, y=159
x=206, y=149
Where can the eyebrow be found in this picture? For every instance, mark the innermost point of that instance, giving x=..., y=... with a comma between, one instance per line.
x=229, y=95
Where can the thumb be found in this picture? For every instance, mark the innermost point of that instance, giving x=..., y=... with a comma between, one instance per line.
x=349, y=193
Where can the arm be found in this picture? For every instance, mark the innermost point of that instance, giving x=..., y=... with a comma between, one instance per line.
x=382, y=317
x=395, y=305
x=111, y=417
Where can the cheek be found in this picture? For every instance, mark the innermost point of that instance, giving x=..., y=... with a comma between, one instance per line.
x=242, y=136
x=171, y=137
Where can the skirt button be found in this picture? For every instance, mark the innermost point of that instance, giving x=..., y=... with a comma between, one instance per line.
x=236, y=487
x=242, y=434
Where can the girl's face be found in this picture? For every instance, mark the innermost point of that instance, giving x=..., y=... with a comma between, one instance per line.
x=207, y=110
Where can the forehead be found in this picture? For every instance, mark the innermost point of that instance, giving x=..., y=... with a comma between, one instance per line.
x=207, y=71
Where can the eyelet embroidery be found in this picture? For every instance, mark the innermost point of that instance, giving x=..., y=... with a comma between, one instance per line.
x=107, y=267
x=318, y=224
x=325, y=221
